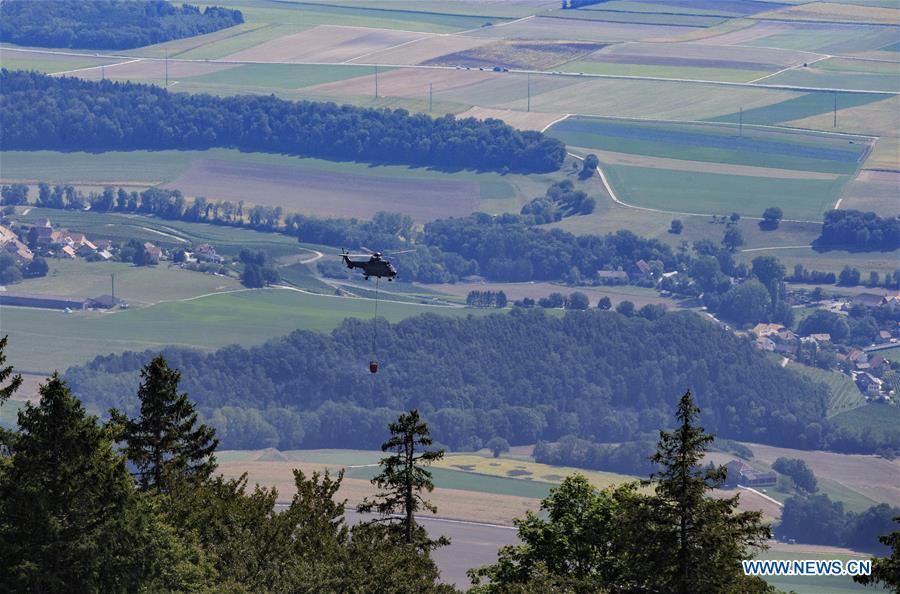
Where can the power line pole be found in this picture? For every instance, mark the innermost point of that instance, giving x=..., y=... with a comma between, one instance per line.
x=102, y=71
x=529, y=91
x=376, y=81
x=167, y=68
x=430, y=96
x=834, y=124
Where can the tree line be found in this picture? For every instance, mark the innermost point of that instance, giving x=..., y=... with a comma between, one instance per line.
x=45, y=112
x=524, y=376
x=107, y=24
x=135, y=504
x=856, y=230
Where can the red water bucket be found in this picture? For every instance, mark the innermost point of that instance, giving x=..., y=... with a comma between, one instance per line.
x=373, y=366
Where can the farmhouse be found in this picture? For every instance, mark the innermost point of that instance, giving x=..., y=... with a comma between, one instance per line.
x=612, y=277
x=43, y=236
x=869, y=299
x=104, y=302
x=740, y=473
x=767, y=329
x=154, y=253
x=10, y=242
x=207, y=253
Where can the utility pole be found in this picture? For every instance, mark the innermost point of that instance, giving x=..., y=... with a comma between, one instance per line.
x=529, y=91
x=376, y=81
x=430, y=96
x=167, y=68
x=834, y=124
x=102, y=71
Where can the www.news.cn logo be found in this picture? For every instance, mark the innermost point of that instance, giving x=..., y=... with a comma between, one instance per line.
x=807, y=567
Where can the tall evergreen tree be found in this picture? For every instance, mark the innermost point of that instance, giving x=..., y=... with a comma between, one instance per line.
x=707, y=536
x=65, y=495
x=885, y=570
x=5, y=373
x=165, y=442
x=404, y=477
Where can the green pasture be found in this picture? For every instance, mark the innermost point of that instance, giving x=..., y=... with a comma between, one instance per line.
x=632, y=6
x=470, y=481
x=836, y=39
x=282, y=76
x=815, y=584
x=137, y=285
x=688, y=72
x=41, y=340
x=830, y=261
x=796, y=108
x=46, y=63
x=716, y=193
x=782, y=149
x=878, y=418
x=838, y=79
x=843, y=395
x=891, y=354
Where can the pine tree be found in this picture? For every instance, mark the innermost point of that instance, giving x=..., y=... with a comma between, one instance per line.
x=403, y=478
x=885, y=570
x=64, y=496
x=165, y=442
x=5, y=372
x=697, y=542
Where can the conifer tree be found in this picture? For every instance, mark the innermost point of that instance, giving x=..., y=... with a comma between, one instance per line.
x=5, y=373
x=165, y=442
x=404, y=477
x=64, y=496
x=697, y=542
x=885, y=570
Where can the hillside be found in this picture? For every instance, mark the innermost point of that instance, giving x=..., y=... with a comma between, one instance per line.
x=524, y=376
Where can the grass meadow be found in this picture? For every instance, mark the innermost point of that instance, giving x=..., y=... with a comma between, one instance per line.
x=43, y=340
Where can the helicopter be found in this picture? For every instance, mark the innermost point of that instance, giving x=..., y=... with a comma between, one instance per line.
x=374, y=265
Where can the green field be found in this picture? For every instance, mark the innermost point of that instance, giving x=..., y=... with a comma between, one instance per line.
x=817, y=584
x=42, y=340
x=891, y=354
x=843, y=393
x=781, y=149
x=468, y=481
x=716, y=193
x=879, y=418
x=796, y=108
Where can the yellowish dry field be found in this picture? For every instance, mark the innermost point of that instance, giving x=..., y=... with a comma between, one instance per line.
x=874, y=190
x=838, y=13
x=405, y=82
x=755, y=30
x=423, y=50
x=451, y=503
x=524, y=470
x=523, y=120
x=874, y=477
x=326, y=43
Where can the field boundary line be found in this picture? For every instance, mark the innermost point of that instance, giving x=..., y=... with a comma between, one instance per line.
x=554, y=122
x=387, y=49
x=97, y=67
x=305, y=292
x=525, y=18
x=775, y=247
x=616, y=199
x=805, y=64
x=761, y=494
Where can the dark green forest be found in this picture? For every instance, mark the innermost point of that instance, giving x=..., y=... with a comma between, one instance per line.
x=107, y=24
x=524, y=376
x=859, y=231
x=65, y=113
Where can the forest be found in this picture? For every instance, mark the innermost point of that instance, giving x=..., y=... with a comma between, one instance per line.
x=859, y=231
x=107, y=24
x=65, y=113
x=524, y=376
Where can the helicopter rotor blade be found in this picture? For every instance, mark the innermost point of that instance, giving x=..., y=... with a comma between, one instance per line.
x=402, y=252
x=368, y=250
